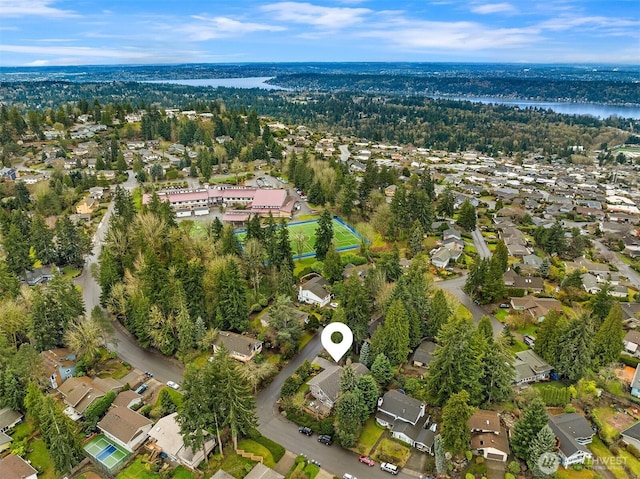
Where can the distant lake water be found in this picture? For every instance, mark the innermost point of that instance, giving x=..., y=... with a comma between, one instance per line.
x=596, y=110
x=592, y=109
x=247, y=82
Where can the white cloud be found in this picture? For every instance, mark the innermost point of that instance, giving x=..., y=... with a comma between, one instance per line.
x=24, y=8
x=331, y=18
x=489, y=8
x=208, y=28
x=569, y=22
x=93, y=52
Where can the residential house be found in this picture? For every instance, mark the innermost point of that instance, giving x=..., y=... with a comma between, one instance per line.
x=96, y=192
x=167, y=437
x=451, y=233
x=532, y=261
x=404, y=415
x=515, y=241
x=618, y=291
x=260, y=471
x=313, y=291
x=80, y=392
x=635, y=383
x=571, y=434
x=128, y=398
x=631, y=435
x=536, y=307
x=87, y=206
x=488, y=437
x=360, y=271
x=590, y=283
x=9, y=419
x=39, y=274
x=125, y=427
x=423, y=355
x=59, y=365
x=440, y=258
x=220, y=474
x=325, y=387
x=8, y=173
x=631, y=342
x=14, y=467
x=584, y=264
x=530, y=368
x=631, y=314
x=242, y=348
x=530, y=284
x=5, y=442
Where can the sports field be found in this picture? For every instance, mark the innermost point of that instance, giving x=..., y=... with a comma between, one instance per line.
x=302, y=236
x=111, y=455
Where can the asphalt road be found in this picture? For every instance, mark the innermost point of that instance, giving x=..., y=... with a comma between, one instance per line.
x=623, y=268
x=480, y=244
x=344, y=153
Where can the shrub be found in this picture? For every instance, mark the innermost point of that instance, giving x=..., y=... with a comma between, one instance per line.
x=256, y=308
x=468, y=455
x=577, y=467
x=615, y=450
x=291, y=386
x=468, y=475
x=629, y=360
x=146, y=410
x=514, y=467
x=508, y=475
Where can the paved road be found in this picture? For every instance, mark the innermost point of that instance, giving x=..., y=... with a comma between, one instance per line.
x=345, y=154
x=273, y=425
x=480, y=244
x=124, y=344
x=623, y=268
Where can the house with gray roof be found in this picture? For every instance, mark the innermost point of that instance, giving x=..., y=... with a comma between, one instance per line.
x=635, y=383
x=530, y=368
x=325, y=387
x=313, y=291
x=423, y=355
x=631, y=435
x=241, y=348
x=568, y=431
x=404, y=415
x=9, y=419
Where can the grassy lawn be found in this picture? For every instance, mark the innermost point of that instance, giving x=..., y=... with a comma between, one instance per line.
x=518, y=346
x=182, y=473
x=501, y=315
x=235, y=465
x=40, y=459
x=392, y=451
x=602, y=452
x=22, y=430
x=603, y=415
x=69, y=272
x=249, y=445
x=630, y=461
x=371, y=432
x=531, y=329
x=304, y=340
x=563, y=473
x=138, y=470
x=311, y=470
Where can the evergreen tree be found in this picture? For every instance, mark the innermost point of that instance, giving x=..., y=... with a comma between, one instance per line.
x=498, y=371
x=493, y=288
x=416, y=239
x=350, y=415
x=574, y=355
x=534, y=418
x=232, y=294
x=458, y=362
x=370, y=393
x=348, y=378
x=446, y=203
x=16, y=248
x=476, y=277
x=428, y=186
x=601, y=304
x=365, y=355
x=547, y=341
x=42, y=240
x=216, y=229
x=455, y=423
x=324, y=235
x=608, y=340
x=332, y=268
x=502, y=255
x=467, y=216
x=286, y=282
x=390, y=264
x=229, y=242
x=545, y=441
x=381, y=370
x=439, y=453
x=392, y=338
x=355, y=304
x=72, y=244
x=485, y=329
x=348, y=195
x=439, y=313
x=285, y=255
x=254, y=230
x=543, y=270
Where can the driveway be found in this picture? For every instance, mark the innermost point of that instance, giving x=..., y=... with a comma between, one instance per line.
x=480, y=244
x=625, y=269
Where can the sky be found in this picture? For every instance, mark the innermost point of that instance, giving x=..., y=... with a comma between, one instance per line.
x=98, y=32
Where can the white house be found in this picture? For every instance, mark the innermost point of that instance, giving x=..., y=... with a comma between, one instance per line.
x=313, y=291
x=488, y=437
x=166, y=434
x=125, y=427
x=404, y=415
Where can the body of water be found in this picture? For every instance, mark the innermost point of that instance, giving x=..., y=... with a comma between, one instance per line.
x=248, y=82
x=596, y=110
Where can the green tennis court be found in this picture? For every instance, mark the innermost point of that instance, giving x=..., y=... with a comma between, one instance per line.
x=107, y=453
x=302, y=236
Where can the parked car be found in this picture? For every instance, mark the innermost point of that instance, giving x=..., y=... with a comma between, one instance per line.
x=149, y=374
x=348, y=476
x=325, y=439
x=305, y=430
x=173, y=385
x=142, y=389
x=391, y=468
x=529, y=340
x=504, y=305
x=367, y=460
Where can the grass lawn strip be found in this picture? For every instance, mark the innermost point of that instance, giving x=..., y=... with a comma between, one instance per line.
x=371, y=432
x=249, y=445
x=392, y=451
x=41, y=460
x=603, y=416
x=605, y=457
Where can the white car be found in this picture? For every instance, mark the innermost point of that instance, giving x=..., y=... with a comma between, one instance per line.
x=173, y=385
x=388, y=467
x=348, y=476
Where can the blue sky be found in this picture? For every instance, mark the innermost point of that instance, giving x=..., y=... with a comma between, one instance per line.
x=78, y=32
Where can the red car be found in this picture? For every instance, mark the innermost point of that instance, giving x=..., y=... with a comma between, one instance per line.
x=367, y=460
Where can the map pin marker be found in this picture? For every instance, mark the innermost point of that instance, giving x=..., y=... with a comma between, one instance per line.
x=337, y=350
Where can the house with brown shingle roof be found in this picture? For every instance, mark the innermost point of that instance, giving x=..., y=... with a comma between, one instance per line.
x=14, y=467
x=488, y=437
x=80, y=392
x=126, y=427
x=241, y=348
